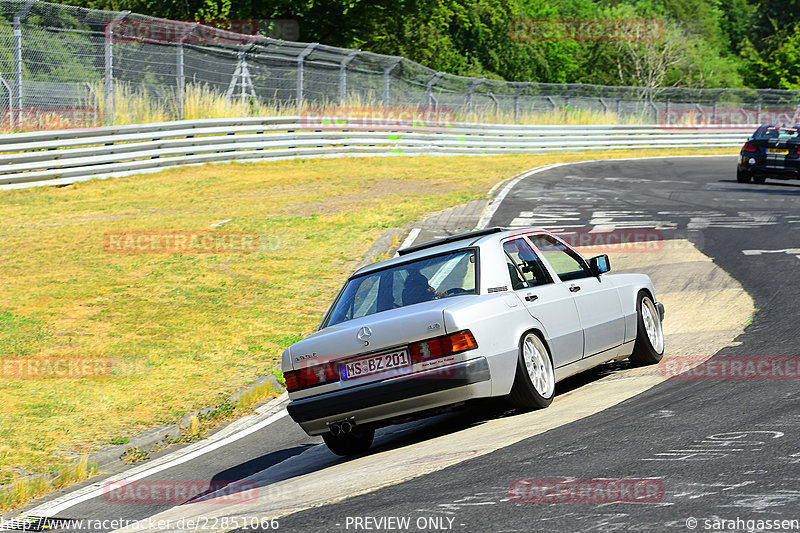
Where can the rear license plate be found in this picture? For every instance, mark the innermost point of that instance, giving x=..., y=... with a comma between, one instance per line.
x=375, y=364
x=781, y=151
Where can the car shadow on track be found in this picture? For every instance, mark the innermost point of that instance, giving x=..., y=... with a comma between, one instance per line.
x=783, y=187
x=307, y=459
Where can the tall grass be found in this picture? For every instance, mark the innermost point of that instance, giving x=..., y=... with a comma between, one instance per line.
x=140, y=104
x=24, y=490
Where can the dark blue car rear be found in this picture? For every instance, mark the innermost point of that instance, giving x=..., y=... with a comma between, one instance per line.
x=772, y=152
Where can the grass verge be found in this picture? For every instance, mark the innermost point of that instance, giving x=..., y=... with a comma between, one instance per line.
x=184, y=331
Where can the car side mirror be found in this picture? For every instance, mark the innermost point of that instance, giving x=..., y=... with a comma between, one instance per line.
x=599, y=264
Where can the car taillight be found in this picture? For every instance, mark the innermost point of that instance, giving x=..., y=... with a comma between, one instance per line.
x=749, y=147
x=442, y=346
x=310, y=377
x=420, y=351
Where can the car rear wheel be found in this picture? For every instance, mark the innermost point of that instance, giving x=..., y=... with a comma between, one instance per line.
x=649, y=346
x=357, y=441
x=743, y=176
x=534, y=382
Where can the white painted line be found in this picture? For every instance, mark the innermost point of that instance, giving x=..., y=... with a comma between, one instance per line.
x=194, y=451
x=496, y=201
x=789, y=251
x=412, y=236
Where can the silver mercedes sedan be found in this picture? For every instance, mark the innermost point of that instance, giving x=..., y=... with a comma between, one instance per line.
x=487, y=313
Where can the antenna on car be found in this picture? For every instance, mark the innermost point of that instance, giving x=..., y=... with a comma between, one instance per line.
x=449, y=239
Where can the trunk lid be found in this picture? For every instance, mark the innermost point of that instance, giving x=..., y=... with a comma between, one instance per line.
x=387, y=329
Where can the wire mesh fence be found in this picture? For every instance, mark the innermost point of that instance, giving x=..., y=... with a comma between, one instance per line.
x=65, y=66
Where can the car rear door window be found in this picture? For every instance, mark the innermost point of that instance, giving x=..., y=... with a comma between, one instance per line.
x=526, y=264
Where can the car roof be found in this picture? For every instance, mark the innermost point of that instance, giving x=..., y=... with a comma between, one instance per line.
x=448, y=244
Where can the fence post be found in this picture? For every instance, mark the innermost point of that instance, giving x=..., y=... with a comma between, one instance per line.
x=571, y=88
x=18, y=68
x=343, y=74
x=468, y=99
x=17, y=25
x=758, y=118
x=95, y=103
x=300, y=60
x=429, y=87
x=180, y=75
x=108, y=108
x=519, y=90
x=716, y=99
x=388, y=70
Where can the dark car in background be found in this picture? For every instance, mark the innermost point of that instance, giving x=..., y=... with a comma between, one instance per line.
x=771, y=152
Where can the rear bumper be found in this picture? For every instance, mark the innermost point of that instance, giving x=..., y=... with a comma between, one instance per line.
x=395, y=397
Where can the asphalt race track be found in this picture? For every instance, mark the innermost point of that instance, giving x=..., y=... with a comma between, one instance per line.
x=717, y=450
x=723, y=449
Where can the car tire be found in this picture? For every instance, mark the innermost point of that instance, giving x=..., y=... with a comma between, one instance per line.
x=357, y=441
x=759, y=179
x=743, y=176
x=534, y=381
x=649, y=346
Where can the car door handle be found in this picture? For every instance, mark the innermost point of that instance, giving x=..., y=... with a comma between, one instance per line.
x=531, y=298
x=574, y=288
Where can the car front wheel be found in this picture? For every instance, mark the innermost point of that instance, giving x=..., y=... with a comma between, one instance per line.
x=759, y=179
x=357, y=441
x=649, y=346
x=534, y=382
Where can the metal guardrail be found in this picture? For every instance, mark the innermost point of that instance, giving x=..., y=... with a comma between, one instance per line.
x=66, y=156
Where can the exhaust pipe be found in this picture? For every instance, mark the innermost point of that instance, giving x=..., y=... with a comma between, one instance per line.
x=341, y=428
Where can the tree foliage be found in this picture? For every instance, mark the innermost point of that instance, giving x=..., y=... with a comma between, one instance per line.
x=705, y=43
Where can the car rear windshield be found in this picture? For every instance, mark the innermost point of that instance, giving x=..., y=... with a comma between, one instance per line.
x=431, y=278
x=778, y=133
